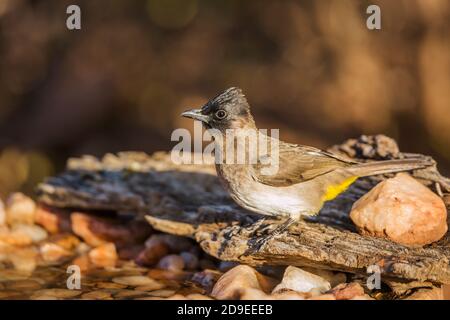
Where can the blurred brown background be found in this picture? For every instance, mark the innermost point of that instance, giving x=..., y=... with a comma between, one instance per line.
x=310, y=68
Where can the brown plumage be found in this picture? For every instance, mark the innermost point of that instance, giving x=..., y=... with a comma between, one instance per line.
x=306, y=176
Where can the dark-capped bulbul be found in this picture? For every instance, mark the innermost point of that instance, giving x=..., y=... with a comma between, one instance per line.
x=306, y=177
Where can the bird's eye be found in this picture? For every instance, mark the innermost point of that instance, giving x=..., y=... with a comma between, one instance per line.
x=220, y=114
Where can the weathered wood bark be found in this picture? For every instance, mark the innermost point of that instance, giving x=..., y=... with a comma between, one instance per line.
x=188, y=200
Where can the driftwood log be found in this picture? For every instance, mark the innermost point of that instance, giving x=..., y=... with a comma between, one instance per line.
x=188, y=200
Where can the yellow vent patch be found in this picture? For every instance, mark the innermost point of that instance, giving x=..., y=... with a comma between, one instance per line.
x=334, y=190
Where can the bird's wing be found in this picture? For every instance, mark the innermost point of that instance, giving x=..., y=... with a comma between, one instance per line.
x=297, y=164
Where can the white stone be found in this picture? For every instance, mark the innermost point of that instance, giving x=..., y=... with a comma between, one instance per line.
x=302, y=281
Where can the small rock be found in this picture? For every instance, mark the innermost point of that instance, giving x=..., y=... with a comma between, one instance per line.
x=83, y=262
x=81, y=227
x=66, y=241
x=302, y=281
x=164, y=293
x=206, y=264
x=190, y=260
x=24, y=259
x=151, y=287
x=56, y=293
x=160, y=274
x=224, y=266
x=152, y=254
x=136, y=281
x=51, y=252
x=334, y=278
x=171, y=262
x=253, y=294
x=104, y=255
x=175, y=244
x=125, y=293
x=9, y=295
x=13, y=275
x=206, y=278
x=24, y=285
x=20, y=209
x=14, y=238
x=96, y=231
x=34, y=232
x=52, y=220
x=230, y=284
x=347, y=291
x=402, y=210
x=82, y=248
x=97, y=295
x=256, y=294
x=130, y=252
x=109, y=285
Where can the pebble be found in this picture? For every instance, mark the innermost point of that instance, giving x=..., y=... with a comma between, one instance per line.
x=34, y=232
x=104, y=255
x=152, y=254
x=175, y=244
x=20, y=209
x=347, y=291
x=302, y=281
x=96, y=231
x=52, y=220
x=206, y=264
x=56, y=293
x=206, y=278
x=110, y=285
x=171, y=262
x=224, y=266
x=130, y=252
x=24, y=285
x=13, y=275
x=9, y=295
x=66, y=241
x=190, y=260
x=164, y=293
x=402, y=210
x=151, y=287
x=24, y=259
x=334, y=278
x=97, y=295
x=231, y=283
x=81, y=227
x=15, y=238
x=51, y=252
x=160, y=274
x=125, y=293
x=135, y=281
x=83, y=262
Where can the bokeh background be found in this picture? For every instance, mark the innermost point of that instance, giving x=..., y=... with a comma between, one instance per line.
x=310, y=68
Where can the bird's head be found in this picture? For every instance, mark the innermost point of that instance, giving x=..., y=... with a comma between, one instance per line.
x=228, y=110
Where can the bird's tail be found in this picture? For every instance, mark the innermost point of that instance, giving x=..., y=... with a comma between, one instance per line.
x=388, y=166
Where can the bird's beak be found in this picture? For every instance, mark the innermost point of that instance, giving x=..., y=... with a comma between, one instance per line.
x=195, y=114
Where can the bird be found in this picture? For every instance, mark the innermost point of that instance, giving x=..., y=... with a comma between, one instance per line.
x=306, y=178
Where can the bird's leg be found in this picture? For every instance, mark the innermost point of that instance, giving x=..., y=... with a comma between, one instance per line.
x=259, y=243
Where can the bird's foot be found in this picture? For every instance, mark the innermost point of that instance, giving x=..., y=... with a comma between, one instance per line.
x=258, y=243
